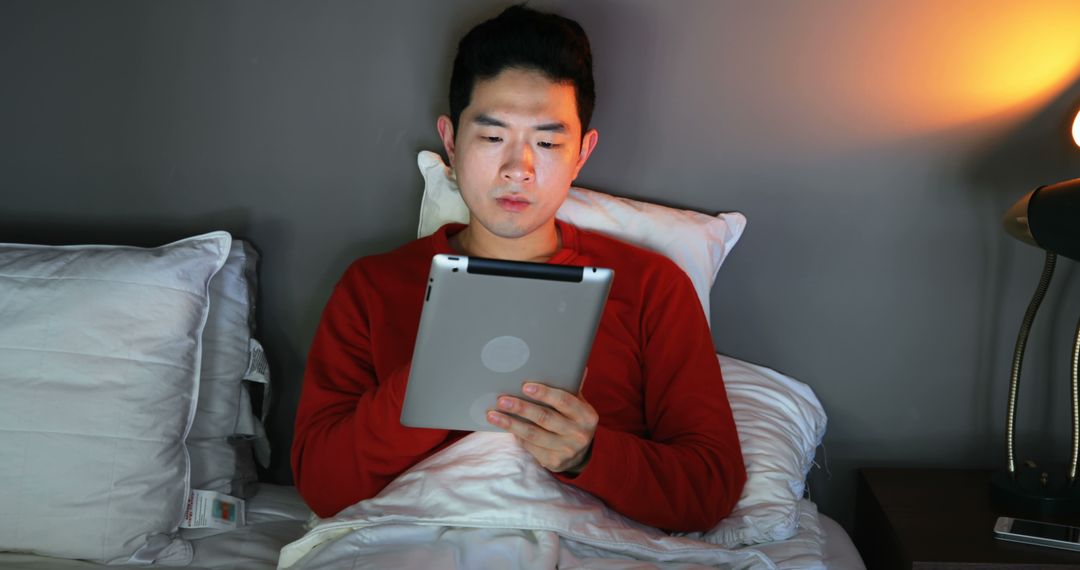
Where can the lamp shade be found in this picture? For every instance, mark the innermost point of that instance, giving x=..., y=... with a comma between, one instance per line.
x=1048, y=217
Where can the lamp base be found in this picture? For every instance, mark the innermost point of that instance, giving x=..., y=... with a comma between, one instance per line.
x=1035, y=491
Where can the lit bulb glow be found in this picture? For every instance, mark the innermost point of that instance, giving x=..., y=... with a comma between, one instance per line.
x=1076, y=129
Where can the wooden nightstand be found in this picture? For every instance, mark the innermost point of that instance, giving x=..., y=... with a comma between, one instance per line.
x=940, y=518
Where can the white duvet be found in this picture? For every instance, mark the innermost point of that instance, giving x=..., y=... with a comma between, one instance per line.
x=485, y=503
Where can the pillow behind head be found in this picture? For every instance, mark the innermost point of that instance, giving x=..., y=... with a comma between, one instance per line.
x=696, y=242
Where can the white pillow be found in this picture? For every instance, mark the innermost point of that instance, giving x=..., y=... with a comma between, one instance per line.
x=780, y=423
x=224, y=430
x=100, y=351
x=696, y=242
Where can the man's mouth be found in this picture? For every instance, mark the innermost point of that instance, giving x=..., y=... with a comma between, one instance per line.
x=512, y=204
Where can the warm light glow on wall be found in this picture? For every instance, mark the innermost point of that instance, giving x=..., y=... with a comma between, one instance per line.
x=1023, y=55
x=842, y=74
x=996, y=58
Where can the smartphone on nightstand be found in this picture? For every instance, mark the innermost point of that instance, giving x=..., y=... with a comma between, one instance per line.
x=1038, y=532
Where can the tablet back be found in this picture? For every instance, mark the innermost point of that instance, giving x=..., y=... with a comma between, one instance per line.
x=488, y=325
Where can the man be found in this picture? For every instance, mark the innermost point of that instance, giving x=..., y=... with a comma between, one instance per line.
x=651, y=434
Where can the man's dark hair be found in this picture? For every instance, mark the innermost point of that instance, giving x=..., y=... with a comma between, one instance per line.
x=523, y=38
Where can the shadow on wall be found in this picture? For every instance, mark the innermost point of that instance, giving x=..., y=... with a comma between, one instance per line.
x=147, y=231
x=1037, y=151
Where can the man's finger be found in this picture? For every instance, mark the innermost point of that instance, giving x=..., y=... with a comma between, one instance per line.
x=526, y=431
x=543, y=416
x=573, y=407
x=566, y=403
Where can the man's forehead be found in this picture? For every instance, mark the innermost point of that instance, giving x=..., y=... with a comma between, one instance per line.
x=523, y=98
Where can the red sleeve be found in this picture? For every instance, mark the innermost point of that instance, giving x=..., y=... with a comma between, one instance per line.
x=349, y=442
x=688, y=473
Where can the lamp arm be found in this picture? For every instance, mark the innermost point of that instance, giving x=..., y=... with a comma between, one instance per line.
x=1018, y=361
x=1075, y=406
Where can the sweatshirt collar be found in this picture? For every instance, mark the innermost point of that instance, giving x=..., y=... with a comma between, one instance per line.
x=440, y=241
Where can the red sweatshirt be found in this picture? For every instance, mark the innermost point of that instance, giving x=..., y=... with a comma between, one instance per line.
x=665, y=452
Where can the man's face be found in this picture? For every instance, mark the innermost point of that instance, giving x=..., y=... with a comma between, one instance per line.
x=517, y=150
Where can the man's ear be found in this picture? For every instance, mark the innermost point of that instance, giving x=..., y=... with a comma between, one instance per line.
x=446, y=133
x=588, y=144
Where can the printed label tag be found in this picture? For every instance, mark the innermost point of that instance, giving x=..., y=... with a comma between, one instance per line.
x=209, y=509
x=258, y=369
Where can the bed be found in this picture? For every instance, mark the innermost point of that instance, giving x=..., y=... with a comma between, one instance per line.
x=127, y=377
x=277, y=516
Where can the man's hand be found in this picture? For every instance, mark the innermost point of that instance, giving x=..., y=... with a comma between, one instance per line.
x=559, y=437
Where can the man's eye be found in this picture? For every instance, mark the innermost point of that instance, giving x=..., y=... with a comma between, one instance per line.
x=548, y=145
x=492, y=139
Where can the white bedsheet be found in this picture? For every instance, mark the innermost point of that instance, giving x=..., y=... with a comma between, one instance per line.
x=277, y=514
x=485, y=503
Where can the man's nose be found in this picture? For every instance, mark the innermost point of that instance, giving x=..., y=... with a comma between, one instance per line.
x=519, y=166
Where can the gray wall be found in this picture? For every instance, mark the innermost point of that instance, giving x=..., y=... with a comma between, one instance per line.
x=873, y=146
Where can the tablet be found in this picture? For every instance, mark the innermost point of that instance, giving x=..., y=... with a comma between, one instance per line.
x=488, y=325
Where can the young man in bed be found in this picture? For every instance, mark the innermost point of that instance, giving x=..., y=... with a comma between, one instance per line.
x=651, y=434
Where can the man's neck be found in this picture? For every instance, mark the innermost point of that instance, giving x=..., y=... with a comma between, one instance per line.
x=538, y=246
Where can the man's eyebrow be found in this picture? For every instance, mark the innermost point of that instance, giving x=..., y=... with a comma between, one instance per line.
x=558, y=127
x=488, y=121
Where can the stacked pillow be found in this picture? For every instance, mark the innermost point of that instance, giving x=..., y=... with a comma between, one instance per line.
x=101, y=355
x=225, y=433
x=779, y=419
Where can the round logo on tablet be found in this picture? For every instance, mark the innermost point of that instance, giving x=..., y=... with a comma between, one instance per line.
x=504, y=354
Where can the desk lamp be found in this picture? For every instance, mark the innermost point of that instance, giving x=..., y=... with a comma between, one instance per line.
x=1048, y=218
